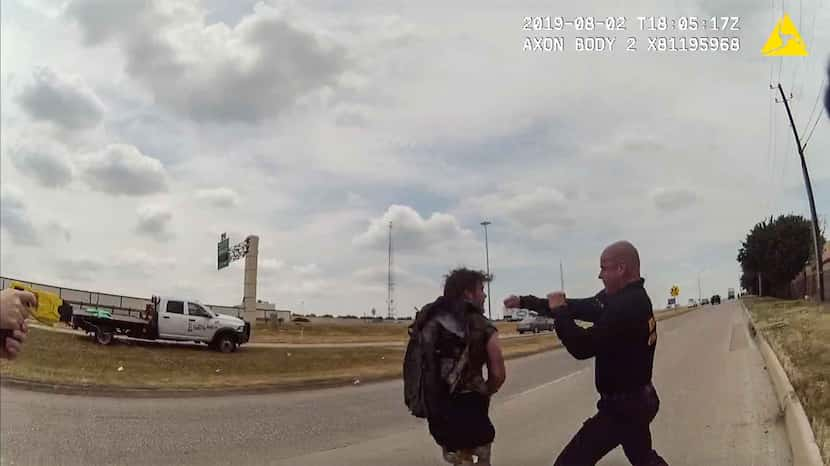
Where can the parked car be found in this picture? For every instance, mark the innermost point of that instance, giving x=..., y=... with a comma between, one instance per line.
x=715, y=299
x=704, y=301
x=692, y=303
x=535, y=324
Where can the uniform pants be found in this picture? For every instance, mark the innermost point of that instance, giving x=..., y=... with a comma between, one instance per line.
x=619, y=421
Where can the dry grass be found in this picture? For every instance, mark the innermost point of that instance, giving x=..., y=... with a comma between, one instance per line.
x=799, y=332
x=60, y=358
x=51, y=357
x=342, y=331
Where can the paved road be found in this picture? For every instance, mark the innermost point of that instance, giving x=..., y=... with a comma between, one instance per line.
x=718, y=408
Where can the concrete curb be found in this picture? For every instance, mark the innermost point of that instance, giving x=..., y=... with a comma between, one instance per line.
x=802, y=439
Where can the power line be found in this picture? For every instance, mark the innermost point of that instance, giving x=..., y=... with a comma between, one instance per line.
x=390, y=283
x=808, y=186
x=803, y=59
x=772, y=149
x=776, y=179
x=812, y=130
x=780, y=67
x=769, y=143
x=799, y=62
x=815, y=104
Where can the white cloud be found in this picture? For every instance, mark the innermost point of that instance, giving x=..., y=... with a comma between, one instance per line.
x=154, y=221
x=44, y=161
x=219, y=197
x=673, y=199
x=270, y=266
x=308, y=269
x=15, y=218
x=316, y=140
x=59, y=231
x=130, y=262
x=377, y=276
x=411, y=232
x=122, y=170
x=64, y=100
x=212, y=72
x=528, y=207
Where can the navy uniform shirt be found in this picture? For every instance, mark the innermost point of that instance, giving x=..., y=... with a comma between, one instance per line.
x=622, y=338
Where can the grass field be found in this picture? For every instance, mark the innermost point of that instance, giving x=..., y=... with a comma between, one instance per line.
x=337, y=331
x=51, y=357
x=799, y=333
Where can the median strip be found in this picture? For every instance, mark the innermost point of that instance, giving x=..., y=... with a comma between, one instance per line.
x=67, y=360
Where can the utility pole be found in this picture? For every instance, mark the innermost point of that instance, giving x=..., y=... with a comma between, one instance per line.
x=390, y=282
x=699, y=293
x=760, y=287
x=561, y=277
x=487, y=258
x=816, y=233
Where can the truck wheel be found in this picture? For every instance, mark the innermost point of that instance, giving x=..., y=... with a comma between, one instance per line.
x=104, y=337
x=226, y=344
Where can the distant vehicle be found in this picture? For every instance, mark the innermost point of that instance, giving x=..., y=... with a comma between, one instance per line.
x=704, y=301
x=692, y=303
x=535, y=324
x=730, y=294
x=715, y=299
x=164, y=319
x=520, y=314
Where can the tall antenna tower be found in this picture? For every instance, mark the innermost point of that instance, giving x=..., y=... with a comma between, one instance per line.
x=390, y=284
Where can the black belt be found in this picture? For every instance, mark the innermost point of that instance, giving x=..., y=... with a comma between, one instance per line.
x=628, y=394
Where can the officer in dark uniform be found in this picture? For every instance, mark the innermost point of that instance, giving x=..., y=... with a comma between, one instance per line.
x=622, y=341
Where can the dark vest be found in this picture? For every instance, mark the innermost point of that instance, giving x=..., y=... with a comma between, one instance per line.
x=481, y=329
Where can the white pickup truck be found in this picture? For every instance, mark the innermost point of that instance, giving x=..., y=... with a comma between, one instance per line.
x=165, y=319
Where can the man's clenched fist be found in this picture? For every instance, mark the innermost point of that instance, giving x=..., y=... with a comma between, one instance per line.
x=14, y=308
x=512, y=302
x=556, y=299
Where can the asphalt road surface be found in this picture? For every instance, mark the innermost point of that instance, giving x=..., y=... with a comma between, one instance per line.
x=718, y=408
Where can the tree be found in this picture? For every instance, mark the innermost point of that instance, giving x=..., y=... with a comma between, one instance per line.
x=778, y=249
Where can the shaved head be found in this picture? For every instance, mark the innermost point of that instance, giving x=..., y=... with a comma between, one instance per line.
x=624, y=253
x=619, y=266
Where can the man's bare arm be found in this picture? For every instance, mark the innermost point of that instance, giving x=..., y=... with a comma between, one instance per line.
x=496, y=371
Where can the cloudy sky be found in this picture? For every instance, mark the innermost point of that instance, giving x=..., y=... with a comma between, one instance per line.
x=135, y=132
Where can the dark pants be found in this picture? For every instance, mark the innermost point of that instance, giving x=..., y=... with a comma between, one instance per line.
x=622, y=421
x=464, y=424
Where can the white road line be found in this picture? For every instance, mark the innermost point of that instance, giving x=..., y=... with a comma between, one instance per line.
x=544, y=385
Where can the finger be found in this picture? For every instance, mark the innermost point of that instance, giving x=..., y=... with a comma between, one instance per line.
x=27, y=298
x=13, y=318
x=13, y=347
x=19, y=335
